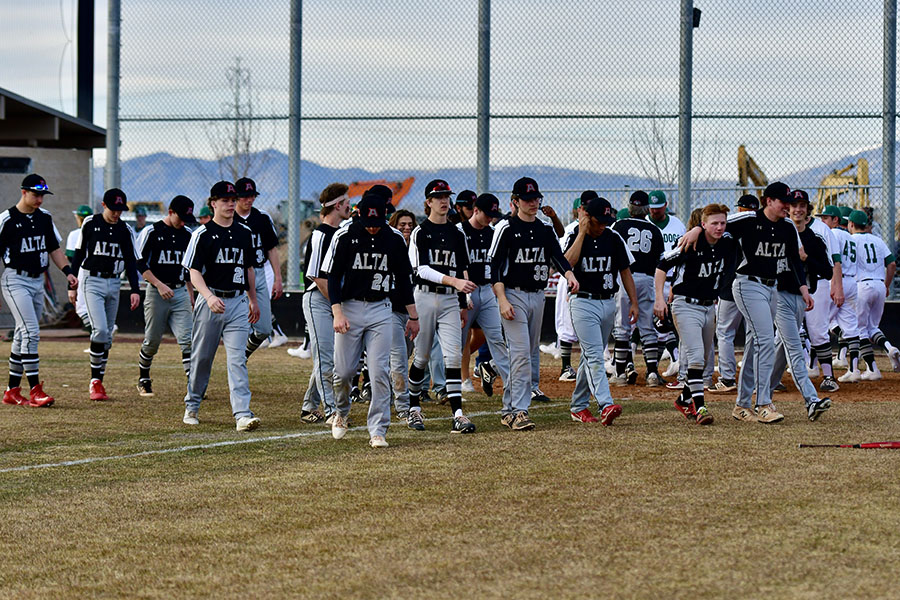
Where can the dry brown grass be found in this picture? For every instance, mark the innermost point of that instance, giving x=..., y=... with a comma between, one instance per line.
x=652, y=507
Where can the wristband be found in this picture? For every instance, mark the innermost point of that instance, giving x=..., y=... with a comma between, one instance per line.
x=67, y=270
x=412, y=319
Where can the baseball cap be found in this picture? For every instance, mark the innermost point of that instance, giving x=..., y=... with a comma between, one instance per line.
x=466, y=197
x=601, y=209
x=204, y=212
x=437, y=187
x=489, y=205
x=858, y=217
x=372, y=209
x=657, y=199
x=526, y=188
x=246, y=187
x=576, y=203
x=587, y=197
x=798, y=196
x=845, y=211
x=115, y=199
x=639, y=198
x=748, y=201
x=140, y=211
x=35, y=183
x=779, y=191
x=830, y=211
x=623, y=213
x=380, y=191
x=184, y=208
x=389, y=208
x=223, y=189
x=83, y=211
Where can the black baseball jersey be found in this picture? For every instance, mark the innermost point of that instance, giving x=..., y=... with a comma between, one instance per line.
x=766, y=248
x=479, y=244
x=700, y=272
x=725, y=291
x=522, y=253
x=316, y=248
x=263, y=233
x=361, y=266
x=161, y=249
x=602, y=259
x=105, y=247
x=26, y=240
x=221, y=254
x=818, y=264
x=644, y=240
x=442, y=247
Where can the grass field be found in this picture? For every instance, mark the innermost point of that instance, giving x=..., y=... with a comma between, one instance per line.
x=651, y=507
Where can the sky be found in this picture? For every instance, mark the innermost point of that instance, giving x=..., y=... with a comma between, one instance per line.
x=550, y=61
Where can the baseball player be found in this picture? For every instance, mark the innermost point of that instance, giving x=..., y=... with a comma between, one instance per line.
x=317, y=307
x=204, y=216
x=698, y=274
x=645, y=242
x=265, y=251
x=845, y=314
x=597, y=254
x=791, y=306
x=522, y=250
x=169, y=298
x=565, y=332
x=768, y=246
x=219, y=258
x=28, y=242
x=363, y=262
x=403, y=221
x=80, y=309
x=440, y=261
x=140, y=219
x=728, y=317
x=105, y=249
x=875, y=268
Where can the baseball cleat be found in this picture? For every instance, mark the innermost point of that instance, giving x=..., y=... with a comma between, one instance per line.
x=299, y=352
x=190, y=417
x=871, y=374
x=14, y=396
x=402, y=414
x=508, y=419
x=725, y=385
x=538, y=396
x=654, y=380
x=551, y=349
x=378, y=441
x=487, y=376
x=779, y=387
x=98, y=392
x=521, y=422
x=462, y=424
x=311, y=416
x=631, y=375
x=839, y=363
x=815, y=408
x=584, y=416
x=609, y=414
x=671, y=370
x=339, y=426
x=467, y=386
x=39, y=398
x=277, y=339
x=618, y=380
x=329, y=420
x=813, y=372
x=568, y=374
x=850, y=377
x=703, y=416
x=675, y=384
x=742, y=413
x=894, y=355
x=829, y=384
x=686, y=409
x=247, y=424
x=415, y=420
x=768, y=414
x=144, y=387
x=366, y=394
x=354, y=394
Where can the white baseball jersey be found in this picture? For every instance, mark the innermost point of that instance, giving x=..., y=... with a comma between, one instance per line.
x=848, y=252
x=872, y=256
x=673, y=230
x=825, y=232
x=72, y=240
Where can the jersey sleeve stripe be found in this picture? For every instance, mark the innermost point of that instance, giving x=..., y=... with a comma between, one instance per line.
x=143, y=237
x=499, y=230
x=414, y=249
x=328, y=261
x=192, y=247
x=315, y=255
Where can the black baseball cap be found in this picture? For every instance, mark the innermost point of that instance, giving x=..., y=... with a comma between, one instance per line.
x=246, y=187
x=35, y=183
x=380, y=191
x=114, y=199
x=389, y=208
x=798, y=196
x=466, y=197
x=600, y=209
x=779, y=191
x=437, y=187
x=587, y=197
x=639, y=198
x=526, y=188
x=748, y=201
x=223, y=189
x=372, y=209
x=184, y=208
x=489, y=205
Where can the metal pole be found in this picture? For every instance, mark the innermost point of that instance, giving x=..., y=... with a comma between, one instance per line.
x=293, y=225
x=889, y=117
x=483, y=159
x=112, y=177
x=85, y=68
x=684, y=110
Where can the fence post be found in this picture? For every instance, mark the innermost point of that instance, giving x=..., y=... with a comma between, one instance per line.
x=111, y=174
x=684, y=110
x=889, y=116
x=293, y=216
x=483, y=152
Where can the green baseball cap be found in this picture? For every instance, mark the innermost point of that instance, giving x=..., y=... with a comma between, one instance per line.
x=622, y=214
x=859, y=218
x=83, y=211
x=830, y=211
x=140, y=211
x=205, y=212
x=657, y=199
x=845, y=211
x=576, y=203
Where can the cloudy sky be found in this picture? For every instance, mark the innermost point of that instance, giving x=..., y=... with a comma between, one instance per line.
x=550, y=61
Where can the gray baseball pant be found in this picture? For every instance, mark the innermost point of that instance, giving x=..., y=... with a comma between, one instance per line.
x=696, y=325
x=24, y=297
x=789, y=346
x=399, y=361
x=438, y=319
x=643, y=285
x=757, y=303
x=523, y=335
x=101, y=297
x=320, y=321
x=263, y=327
x=487, y=314
x=370, y=328
x=728, y=319
x=232, y=327
x=159, y=313
x=593, y=321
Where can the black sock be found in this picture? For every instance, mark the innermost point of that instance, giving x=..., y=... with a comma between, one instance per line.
x=144, y=364
x=97, y=350
x=823, y=353
x=695, y=383
x=879, y=341
x=620, y=352
x=454, y=393
x=651, y=357
x=868, y=354
x=15, y=370
x=672, y=347
x=565, y=354
x=31, y=366
x=853, y=353
x=416, y=379
x=186, y=362
x=253, y=342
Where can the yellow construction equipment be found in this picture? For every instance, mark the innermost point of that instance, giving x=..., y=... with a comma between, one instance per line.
x=749, y=170
x=838, y=182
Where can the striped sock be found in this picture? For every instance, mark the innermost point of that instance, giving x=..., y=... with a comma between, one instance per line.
x=853, y=353
x=454, y=391
x=186, y=362
x=31, y=364
x=823, y=353
x=695, y=384
x=253, y=343
x=144, y=363
x=15, y=370
x=868, y=354
x=97, y=349
x=416, y=379
x=620, y=352
x=651, y=357
x=565, y=353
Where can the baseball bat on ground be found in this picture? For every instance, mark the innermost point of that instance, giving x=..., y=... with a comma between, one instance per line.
x=863, y=445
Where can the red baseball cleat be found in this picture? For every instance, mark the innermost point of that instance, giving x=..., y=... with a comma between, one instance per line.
x=38, y=397
x=97, y=391
x=688, y=410
x=584, y=416
x=14, y=396
x=609, y=414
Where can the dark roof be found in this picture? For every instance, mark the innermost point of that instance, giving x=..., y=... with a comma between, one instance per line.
x=27, y=123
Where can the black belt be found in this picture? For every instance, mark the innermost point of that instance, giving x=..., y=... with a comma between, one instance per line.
x=227, y=293
x=871, y=279
x=698, y=302
x=371, y=298
x=435, y=289
x=103, y=274
x=526, y=290
x=175, y=286
x=591, y=296
x=27, y=273
x=768, y=282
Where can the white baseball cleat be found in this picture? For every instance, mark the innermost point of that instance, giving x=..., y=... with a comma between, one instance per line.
x=190, y=417
x=377, y=441
x=894, y=355
x=871, y=375
x=551, y=349
x=247, y=424
x=278, y=339
x=850, y=377
x=467, y=386
x=840, y=363
x=338, y=426
x=300, y=352
x=812, y=371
